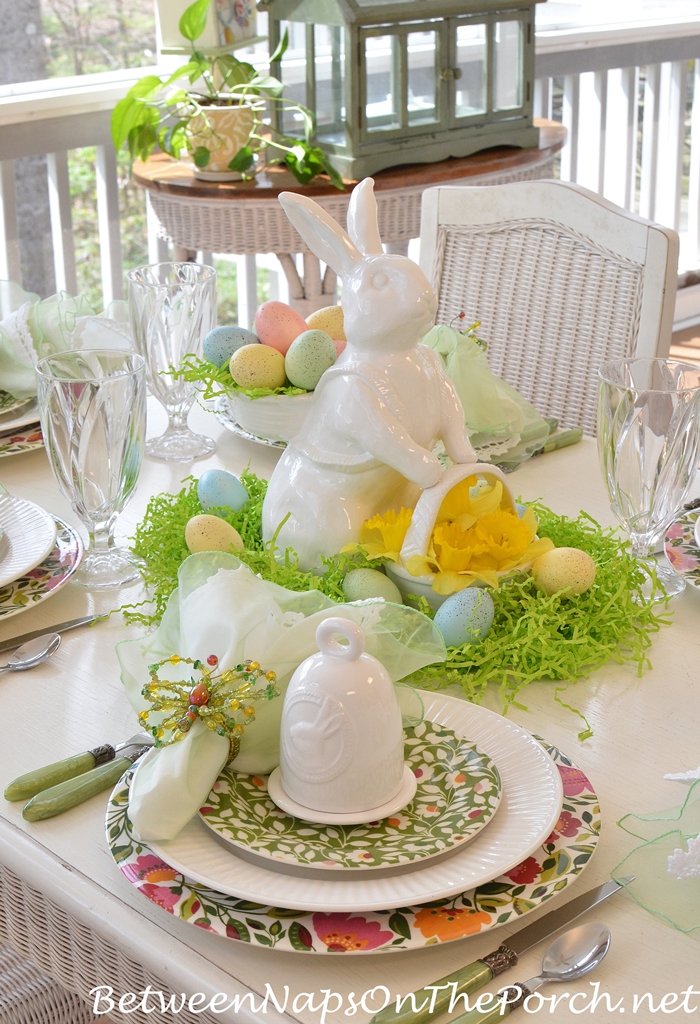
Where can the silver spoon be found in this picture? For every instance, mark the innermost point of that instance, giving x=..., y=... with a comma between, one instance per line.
x=33, y=653
x=572, y=955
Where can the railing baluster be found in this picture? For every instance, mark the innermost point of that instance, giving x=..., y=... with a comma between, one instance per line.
x=570, y=111
x=108, y=224
x=591, y=126
x=61, y=222
x=158, y=248
x=669, y=161
x=620, y=136
x=542, y=106
x=694, y=175
x=10, y=263
x=650, y=141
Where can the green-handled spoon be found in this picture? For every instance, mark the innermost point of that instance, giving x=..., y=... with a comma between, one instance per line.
x=572, y=955
x=33, y=653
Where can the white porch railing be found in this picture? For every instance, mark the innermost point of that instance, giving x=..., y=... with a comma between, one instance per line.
x=629, y=96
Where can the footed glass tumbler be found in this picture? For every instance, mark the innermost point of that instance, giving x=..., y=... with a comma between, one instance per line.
x=93, y=416
x=172, y=307
x=649, y=446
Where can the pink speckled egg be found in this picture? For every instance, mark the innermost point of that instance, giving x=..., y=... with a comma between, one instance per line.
x=339, y=346
x=277, y=325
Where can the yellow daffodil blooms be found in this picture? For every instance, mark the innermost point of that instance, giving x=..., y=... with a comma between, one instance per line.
x=382, y=536
x=468, y=500
x=496, y=542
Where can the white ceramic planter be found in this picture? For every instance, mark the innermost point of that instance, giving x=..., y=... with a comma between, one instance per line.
x=223, y=132
x=275, y=417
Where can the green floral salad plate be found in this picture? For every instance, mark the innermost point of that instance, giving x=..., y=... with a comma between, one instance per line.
x=681, y=547
x=458, y=793
x=541, y=877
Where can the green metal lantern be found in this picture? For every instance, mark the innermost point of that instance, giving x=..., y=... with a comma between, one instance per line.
x=407, y=81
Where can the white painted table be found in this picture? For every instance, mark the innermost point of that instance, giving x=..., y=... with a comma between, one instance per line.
x=643, y=728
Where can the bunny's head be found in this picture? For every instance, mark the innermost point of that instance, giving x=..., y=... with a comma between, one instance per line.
x=387, y=301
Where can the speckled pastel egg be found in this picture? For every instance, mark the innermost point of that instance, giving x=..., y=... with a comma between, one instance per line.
x=218, y=489
x=209, y=533
x=220, y=344
x=308, y=358
x=329, y=319
x=340, y=345
x=465, y=617
x=258, y=366
x=360, y=584
x=277, y=324
x=564, y=571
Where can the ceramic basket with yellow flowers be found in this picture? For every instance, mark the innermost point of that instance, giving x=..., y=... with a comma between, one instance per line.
x=465, y=531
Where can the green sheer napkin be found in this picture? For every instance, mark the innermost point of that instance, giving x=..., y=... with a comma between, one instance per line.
x=499, y=420
x=31, y=328
x=670, y=847
x=221, y=608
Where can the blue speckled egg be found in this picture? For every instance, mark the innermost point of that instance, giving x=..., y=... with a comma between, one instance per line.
x=218, y=489
x=220, y=344
x=465, y=617
x=360, y=584
x=308, y=358
x=520, y=510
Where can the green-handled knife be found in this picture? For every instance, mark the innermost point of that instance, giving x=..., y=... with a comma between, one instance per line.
x=60, y=798
x=61, y=771
x=423, y=1005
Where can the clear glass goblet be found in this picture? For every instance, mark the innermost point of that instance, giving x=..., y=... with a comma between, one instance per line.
x=92, y=405
x=649, y=445
x=172, y=307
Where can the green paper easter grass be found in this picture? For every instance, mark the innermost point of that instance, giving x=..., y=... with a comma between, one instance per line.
x=217, y=379
x=533, y=638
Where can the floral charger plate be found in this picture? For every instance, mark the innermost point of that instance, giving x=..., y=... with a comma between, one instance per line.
x=454, y=801
x=561, y=858
x=51, y=574
x=681, y=549
x=25, y=439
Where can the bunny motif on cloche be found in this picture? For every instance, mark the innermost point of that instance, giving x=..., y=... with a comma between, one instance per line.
x=367, y=443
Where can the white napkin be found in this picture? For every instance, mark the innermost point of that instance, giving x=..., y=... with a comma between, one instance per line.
x=31, y=328
x=222, y=608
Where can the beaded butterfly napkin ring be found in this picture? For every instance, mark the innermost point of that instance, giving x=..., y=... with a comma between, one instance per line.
x=217, y=699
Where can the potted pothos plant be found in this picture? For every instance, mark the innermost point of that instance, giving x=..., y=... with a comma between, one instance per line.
x=216, y=109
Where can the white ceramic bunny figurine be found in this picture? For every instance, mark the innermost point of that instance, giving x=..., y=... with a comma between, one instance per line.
x=366, y=445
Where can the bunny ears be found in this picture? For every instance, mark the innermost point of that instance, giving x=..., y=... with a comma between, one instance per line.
x=325, y=237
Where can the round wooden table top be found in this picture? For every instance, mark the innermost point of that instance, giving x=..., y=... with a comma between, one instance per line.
x=161, y=173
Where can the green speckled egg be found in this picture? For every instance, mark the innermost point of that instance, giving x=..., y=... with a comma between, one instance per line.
x=360, y=584
x=308, y=358
x=209, y=533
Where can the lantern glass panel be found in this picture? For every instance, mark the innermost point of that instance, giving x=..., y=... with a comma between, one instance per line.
x=422, y=81
x=293, y=75
x=507, y=61
x=329, y=57
x=382, y=66
x=470, y=85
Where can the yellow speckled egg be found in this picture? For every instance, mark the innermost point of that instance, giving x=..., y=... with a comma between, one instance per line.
x=209, y=533
x=277, y=324
x=258, y=366
x=308, y=358
x=567, y=571
x=330, y=320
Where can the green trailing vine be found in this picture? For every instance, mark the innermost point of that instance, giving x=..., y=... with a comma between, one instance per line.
x=534, y=637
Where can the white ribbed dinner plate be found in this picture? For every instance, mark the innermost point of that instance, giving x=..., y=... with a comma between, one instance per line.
x=28, y=536
x=529, y=810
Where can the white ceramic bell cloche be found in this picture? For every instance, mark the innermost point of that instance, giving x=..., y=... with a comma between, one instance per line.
x=341, y=740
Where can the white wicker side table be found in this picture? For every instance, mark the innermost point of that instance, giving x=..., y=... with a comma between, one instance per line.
x=245, y=218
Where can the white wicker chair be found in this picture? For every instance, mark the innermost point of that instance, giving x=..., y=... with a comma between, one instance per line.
x=29, y=997
x=560, y=280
